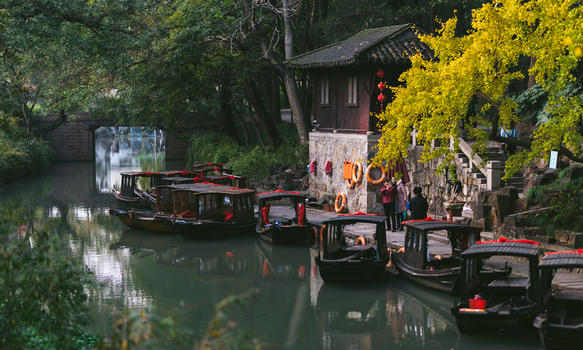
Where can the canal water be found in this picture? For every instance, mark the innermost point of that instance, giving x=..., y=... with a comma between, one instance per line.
x=291, y=307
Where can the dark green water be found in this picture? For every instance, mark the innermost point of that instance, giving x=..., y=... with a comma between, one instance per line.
x=167, y=275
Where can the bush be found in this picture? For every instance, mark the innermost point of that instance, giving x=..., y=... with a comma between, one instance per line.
x=252, y=162
x=42, y=299
x=20, y=153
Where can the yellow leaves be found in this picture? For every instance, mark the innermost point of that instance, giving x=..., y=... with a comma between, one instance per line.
x=578, y=51
x=567, y=41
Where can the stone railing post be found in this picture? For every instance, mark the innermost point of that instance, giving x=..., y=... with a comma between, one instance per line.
x=493, y=174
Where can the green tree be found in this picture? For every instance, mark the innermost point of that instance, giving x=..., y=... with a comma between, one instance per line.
x=436, y=95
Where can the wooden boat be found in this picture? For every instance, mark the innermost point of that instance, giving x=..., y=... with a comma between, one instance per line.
x=130, y=194
x=340, y=261
x=437, y=271
x=210, y=211
x=283, y=229
x=559, y=321
x=218, y=173
x=153, y=221
x=490, y=302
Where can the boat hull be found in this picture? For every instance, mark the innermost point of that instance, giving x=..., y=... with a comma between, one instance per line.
x=441, y=279
x=134, y=201
x=210, y=230
x=290, y=235
x=353, y=271
x=145, y=221
x=478, y=322
x=554, y=336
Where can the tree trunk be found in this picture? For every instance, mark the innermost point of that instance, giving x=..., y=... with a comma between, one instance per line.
x=289, y=81
x=227, y=111
x=275, y=105
x=262, y=117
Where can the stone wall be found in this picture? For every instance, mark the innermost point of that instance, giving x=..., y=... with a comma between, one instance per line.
x=359, y=147
x=339, y=148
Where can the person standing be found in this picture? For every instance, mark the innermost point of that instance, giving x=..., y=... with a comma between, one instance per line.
x=389, y=193
x=418, y=205
x=401, y=203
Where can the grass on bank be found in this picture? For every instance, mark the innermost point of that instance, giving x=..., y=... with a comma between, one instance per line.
x=252, y=161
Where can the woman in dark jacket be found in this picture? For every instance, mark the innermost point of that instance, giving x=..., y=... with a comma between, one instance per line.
x=418, y=205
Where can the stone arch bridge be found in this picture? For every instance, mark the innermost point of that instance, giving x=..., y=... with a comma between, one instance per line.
x=74, y=139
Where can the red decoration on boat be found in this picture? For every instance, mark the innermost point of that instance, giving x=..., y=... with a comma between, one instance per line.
x=381, y=97
x=196, y=179
x=477, y=302
x=578, y=251
x=229, y=216
x=358, y=213
x=229, y=255
x=184, y=172
x=278, y=191
x=265, y=214
x=505, y=240
x=429, y=218
x=380, y=73
x=301, y=214
x=148, y=173
x=217, y=168
x=381, y=85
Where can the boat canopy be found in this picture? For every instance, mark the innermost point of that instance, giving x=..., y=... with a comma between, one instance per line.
x=349, y=219
x=278, y=194
x=486, y=249
x=436, y=225
x=557, y=260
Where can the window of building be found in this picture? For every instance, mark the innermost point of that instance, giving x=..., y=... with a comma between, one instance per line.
x=352, y=91
x=325, y=92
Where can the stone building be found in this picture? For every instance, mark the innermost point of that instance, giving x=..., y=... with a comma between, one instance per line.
x=345, y=77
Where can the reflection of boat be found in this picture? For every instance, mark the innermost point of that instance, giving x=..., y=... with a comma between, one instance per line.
x=560, y=318
x=279, y=229
x=137, y=239
x=283, y=261
x=378, y=317
x=504, y=302
x=339, y=262
x=433, y=270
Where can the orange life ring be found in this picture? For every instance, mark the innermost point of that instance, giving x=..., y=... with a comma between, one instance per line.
x=338, y=208
x=360, y=241
x=356, y=174
x=350, y=184
x=380, y=179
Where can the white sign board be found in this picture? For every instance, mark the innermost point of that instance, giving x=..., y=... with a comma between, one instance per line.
x=553, y=160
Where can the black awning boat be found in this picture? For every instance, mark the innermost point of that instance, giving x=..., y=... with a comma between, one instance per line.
x=498, y=300
x=276, y=224
x=342, y=261
x=560, y=317
x=437, y=271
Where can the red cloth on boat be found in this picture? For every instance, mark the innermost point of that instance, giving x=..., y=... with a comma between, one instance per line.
x=265, y=214
x=228, y=215
x=301, y=210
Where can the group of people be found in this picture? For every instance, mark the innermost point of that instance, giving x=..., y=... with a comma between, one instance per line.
x=395, y=204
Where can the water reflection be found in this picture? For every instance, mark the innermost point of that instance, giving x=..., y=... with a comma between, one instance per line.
x=119, y=149
x=185, y=279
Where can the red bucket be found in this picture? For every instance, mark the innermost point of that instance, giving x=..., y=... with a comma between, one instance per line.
x=477, y=303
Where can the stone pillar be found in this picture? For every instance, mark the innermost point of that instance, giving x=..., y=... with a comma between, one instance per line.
x=494, y=171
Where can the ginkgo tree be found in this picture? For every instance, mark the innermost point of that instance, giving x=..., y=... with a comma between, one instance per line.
x=437, y=98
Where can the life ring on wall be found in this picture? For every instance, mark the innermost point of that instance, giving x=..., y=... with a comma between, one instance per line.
x=360, y=241
x=350, y=184
x=380, y=179
x=356, y=172
x=340, y=197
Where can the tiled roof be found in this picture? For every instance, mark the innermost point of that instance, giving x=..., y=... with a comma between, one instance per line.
x=526, y=250
x=566, y=259
x=384, y=45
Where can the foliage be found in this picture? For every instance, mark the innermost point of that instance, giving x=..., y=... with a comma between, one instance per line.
x=252, y=162
x=482, y=65
x=20, y=153
x=42, y=300
x=136, y=330
x=565, y=197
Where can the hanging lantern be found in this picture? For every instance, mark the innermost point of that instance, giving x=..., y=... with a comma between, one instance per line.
x=381, y=85
x=380, y=73
x=381, y=97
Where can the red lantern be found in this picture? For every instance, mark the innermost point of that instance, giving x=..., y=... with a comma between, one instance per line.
x=381, y=97
x=380, y=73
x=381, y=85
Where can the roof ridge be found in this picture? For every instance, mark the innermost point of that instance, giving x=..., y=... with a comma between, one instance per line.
x=390, y=36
